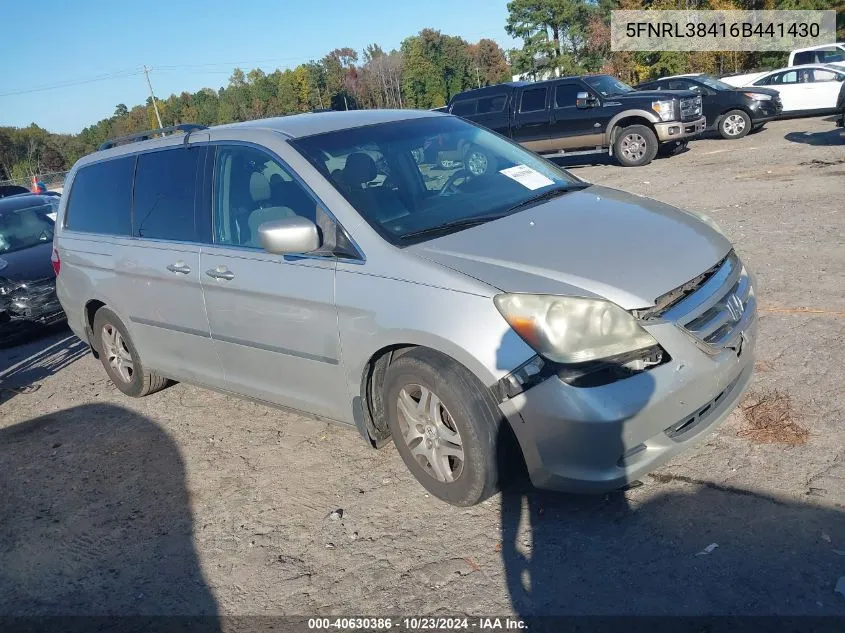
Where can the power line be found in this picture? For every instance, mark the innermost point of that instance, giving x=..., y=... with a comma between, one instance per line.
x=76, y=82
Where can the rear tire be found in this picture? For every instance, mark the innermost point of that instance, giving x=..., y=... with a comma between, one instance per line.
x=635, y=146
x=445, y=426
x=120, y=358
x=734, y=124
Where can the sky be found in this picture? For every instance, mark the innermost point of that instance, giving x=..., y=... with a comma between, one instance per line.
x=191, y=44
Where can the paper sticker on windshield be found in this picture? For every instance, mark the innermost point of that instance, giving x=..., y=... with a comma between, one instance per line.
x=527, y=177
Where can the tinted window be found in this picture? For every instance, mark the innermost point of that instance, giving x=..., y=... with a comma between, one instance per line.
x=101, y=197
x=165, y=184
x=496, y=103
x=832, y=54
x=251, y=188
x=533, y=100
x=565, y=95
x=461, y=108
x=807, y=57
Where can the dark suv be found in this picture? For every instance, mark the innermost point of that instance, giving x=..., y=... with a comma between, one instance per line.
x=733, y=112
x=580, y=115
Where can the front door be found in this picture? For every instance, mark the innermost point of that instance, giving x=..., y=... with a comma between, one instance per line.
x=273, y=318
x=573, y=127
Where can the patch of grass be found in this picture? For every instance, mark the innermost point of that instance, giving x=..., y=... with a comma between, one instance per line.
x=769, y=419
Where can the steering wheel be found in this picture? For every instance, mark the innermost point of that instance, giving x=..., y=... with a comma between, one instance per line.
x=450, y=182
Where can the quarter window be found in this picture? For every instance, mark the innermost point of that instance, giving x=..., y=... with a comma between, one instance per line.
x=165, y=188
x=101, y=198
x=463, y=108
x=496, y=103
x=533, y=100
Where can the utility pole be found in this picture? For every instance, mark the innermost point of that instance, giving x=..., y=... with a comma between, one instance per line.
x=152, y=96
x=477, y=77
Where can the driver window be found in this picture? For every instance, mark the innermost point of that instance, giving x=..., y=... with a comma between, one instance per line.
x=252, y=188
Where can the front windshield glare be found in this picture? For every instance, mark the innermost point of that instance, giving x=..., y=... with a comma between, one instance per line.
x=606, y=85
x=24, y=228
x=407, y=178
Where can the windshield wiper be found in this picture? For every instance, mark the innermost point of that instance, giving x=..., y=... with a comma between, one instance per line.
x=547, y=195
x=450, y=227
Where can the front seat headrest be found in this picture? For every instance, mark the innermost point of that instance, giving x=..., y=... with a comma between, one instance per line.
x=360, y=168
x=259, y=187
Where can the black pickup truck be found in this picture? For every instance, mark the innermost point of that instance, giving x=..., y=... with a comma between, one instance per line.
x=580, y=115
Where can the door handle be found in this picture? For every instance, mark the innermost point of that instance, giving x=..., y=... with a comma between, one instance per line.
x=179, y=267
x=221, y=272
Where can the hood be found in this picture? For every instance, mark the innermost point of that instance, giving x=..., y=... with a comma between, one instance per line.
x=653, y=94
x=596, y=242
x=761, y=90
x=28, y=264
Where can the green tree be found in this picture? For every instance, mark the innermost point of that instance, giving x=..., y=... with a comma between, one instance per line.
x=554, y=34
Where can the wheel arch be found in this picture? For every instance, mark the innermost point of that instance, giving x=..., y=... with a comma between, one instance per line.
x=368, y=404
x=624, y=119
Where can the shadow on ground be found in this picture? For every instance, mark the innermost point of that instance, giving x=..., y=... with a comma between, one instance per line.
x=834, y=136
x=95, y=518
x=23, y=366
x=694, y=550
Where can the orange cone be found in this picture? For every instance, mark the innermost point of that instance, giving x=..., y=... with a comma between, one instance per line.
x=34, y=185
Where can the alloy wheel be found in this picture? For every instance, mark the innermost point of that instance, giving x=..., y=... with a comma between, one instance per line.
x=733, y=125
x=117, y=353
x=430, y=433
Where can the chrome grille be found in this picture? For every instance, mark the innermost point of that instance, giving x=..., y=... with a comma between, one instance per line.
x=690, y=108
x=720, y=309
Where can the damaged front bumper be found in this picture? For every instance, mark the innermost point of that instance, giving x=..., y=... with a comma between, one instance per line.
x=26, y=306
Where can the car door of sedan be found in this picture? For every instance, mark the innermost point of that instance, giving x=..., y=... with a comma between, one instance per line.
x=273, y=318
x=826, y=84
x=796, y=95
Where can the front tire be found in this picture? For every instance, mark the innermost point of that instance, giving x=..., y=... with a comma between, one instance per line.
x=635, y=146
x=444, y=425
x=734, y=124
x=120, y=358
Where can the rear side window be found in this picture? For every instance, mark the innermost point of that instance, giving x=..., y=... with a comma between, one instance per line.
x=165, y=187
x=101, y=198
x=533, y=100
x=496, y=103
x=807, y=57
x=463, y=108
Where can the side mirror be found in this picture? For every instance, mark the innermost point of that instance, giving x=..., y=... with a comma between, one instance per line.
x=289, y=236
x=584, y=100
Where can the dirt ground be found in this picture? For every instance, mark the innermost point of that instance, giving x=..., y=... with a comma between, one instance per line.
x=193, y=502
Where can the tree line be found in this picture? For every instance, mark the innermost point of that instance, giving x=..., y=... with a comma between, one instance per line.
x=559, y=37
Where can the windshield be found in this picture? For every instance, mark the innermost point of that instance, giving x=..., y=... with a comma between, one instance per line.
x=24, y=228
x=606, y=85
x=712, y=82
x=410, y=179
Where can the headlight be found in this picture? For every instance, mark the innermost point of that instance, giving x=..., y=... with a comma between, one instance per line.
x=572, y=330
x=664, y=109
x=758, y=96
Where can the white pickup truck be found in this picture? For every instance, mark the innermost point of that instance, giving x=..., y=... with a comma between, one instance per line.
x=828, y=54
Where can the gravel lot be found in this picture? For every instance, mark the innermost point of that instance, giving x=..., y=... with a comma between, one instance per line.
x=194, y=502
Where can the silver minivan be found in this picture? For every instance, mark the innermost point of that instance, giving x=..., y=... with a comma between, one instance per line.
x=491, y=311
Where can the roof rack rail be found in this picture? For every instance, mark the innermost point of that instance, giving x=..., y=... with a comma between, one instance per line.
x=187, y=128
